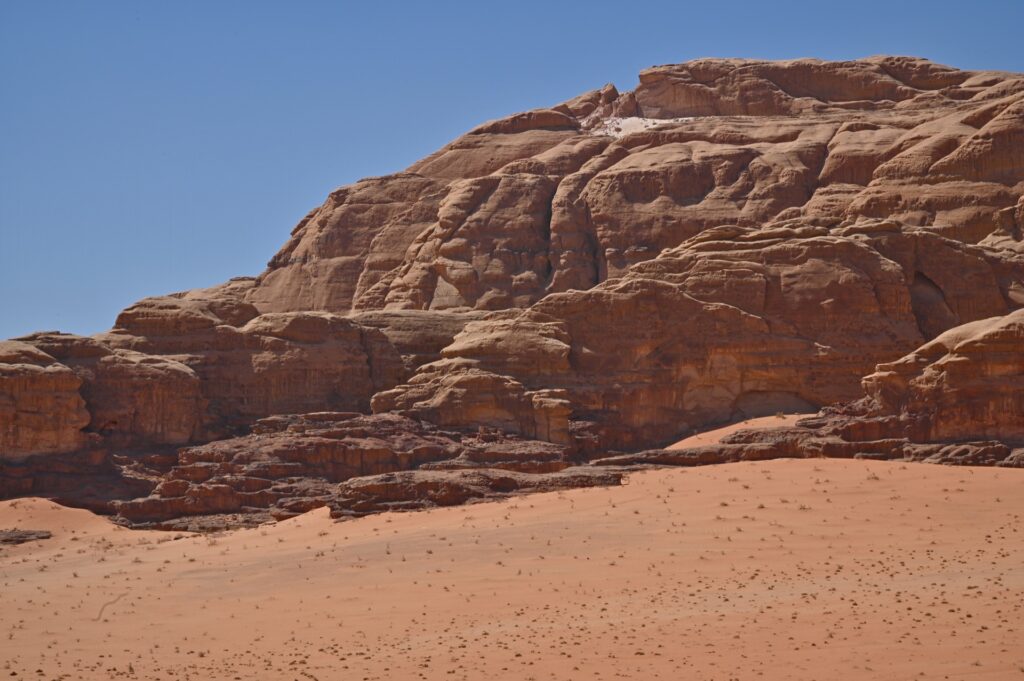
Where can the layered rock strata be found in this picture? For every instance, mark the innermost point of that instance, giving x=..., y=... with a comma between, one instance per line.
x=291, y=464
x=733, y=323
x=958, y=399
x=731, y=238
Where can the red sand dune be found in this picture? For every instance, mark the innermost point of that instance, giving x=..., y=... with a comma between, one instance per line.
x=777, y=570
x=710, y=437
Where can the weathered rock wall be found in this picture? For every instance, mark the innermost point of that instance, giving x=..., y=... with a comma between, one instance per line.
x=731, y=238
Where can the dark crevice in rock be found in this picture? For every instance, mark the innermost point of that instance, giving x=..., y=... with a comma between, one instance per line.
x=931, y=310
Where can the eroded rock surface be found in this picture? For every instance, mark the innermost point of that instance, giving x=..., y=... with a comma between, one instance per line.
x=17, y=536
x=958, y=399
x=41, y=410
x=412, y=490
x=553, y=199
x=291, y=464
x=731, y=238
x=733, y=323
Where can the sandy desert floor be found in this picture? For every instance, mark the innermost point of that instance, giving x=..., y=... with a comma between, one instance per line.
x=819, y=569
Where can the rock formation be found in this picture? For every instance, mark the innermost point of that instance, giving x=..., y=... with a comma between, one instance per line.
x=734, y=322
x=731, y=238
x=41, y=409
x=958, y=399
x=22, y=536
x=291, y=464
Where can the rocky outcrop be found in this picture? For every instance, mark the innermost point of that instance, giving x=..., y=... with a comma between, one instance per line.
x=733, y=323
x=828, y=190
x=958, y=399
x=174, y=371
x=742, y=87
x=967, y=384
x=12, y=537
x=731, y=238
x=41, y=410
x=267, y=364
x=290, y=464
x=89, y=478
x=132, y=397
x=413, y=490
x=551, y=200
x=401, y=491
x=418, y=335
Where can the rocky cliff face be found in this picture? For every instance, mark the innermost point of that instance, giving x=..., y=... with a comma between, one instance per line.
x=966, y=384
x=41, y=409
x=732, y=323
x=731, y=238
x=958, y=399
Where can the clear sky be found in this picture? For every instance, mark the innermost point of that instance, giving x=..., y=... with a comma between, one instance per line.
x=149, y=147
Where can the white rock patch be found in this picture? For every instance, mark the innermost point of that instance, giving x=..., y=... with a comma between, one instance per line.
x=619, y=127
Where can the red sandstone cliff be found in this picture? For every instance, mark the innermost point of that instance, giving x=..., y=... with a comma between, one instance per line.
x=731, y=238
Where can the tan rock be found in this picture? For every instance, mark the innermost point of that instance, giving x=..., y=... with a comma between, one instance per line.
x=463, y=396
x=550, y=200
x=274, y=363
x=966, y=384
x=292, y=464
x=955, y=400
x=734, y=323
x=729, y=87
x=132, y=398
x=41, y=410
x=731, y=238
x=418, y=335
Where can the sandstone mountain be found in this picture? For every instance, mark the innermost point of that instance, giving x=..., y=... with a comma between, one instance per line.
x=732, y=238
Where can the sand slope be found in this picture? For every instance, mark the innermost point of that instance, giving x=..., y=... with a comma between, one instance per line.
x=776, y=570
x=714, y=435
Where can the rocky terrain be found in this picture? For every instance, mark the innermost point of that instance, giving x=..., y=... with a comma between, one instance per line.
x=572, y=286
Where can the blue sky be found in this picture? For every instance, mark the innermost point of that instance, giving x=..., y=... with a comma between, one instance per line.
x=151, y=147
